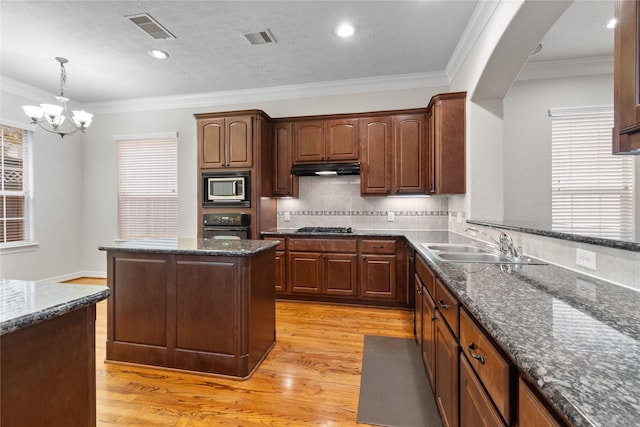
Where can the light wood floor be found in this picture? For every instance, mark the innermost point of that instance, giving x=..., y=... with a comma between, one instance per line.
x=310, y=378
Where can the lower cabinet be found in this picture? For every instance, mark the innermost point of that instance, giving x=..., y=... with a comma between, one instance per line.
x=428, y=331
x=446, y=372
x=352, y=270
x=476, y=408
x=532, y=412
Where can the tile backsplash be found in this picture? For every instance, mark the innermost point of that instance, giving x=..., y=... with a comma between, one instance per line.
x=336, y=202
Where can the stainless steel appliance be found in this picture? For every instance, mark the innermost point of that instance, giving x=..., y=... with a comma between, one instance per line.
x=226, y=226
x=223, y=189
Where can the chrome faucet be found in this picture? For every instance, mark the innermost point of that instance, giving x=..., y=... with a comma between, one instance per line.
x=505, y=243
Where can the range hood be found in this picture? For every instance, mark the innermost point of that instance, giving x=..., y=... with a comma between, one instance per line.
x=326, y=169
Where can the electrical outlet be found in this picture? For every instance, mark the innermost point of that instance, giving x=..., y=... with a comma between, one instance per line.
x=586, y=259
x=287, y=216
x=390, y=216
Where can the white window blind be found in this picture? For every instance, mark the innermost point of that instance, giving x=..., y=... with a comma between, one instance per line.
x=591, y=188
x=147, y=187
x=15, y=188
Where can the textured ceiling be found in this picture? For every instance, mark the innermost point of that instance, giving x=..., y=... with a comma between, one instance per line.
x=108, y=57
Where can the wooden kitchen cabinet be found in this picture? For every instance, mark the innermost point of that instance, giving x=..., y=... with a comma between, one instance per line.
x=325, y=140
x=493, y=370
x=447, y=141
x=626, y=80
x=226, y=142
x=429, y=336
x=446, y=367
x=409, y=153
x=532, y=412
x=476, y=408
x=375, y=156
x=323, y=266
x=378, y=266
x=284, y=182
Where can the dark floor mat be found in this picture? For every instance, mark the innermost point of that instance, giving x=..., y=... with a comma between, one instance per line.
x=394, y=389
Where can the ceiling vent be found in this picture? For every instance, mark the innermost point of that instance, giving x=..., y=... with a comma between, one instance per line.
x=260, y=37
x=150, y=26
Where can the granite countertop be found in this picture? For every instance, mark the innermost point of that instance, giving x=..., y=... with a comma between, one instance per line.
x=353, y=233
x=575, y=336
x=186, y=246
x=24, y=303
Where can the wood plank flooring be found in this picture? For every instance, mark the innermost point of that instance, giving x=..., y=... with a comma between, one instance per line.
x=310, y=378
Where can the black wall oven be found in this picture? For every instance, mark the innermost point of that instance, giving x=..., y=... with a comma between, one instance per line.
x=226, y=226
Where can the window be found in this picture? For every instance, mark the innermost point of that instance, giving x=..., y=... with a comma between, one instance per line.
x=15, y=188
x=147, y=186
x=592, y=190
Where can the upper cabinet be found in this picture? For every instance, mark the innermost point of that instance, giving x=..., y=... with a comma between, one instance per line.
x=226, y=142
x=446, y=122
x=284, y=182
x=626, y=76
x=409, y=153
x=375, y=156
x=325, y=140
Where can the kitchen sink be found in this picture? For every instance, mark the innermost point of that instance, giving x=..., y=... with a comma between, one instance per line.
x=454, y=252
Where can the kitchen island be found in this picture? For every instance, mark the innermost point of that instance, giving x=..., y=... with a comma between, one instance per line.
x=47, y=353
x=202, y=305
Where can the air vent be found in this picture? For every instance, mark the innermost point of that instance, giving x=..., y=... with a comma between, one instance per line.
x=150, y=26
x=260, y=37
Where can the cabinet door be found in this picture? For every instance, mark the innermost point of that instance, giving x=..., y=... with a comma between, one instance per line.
x=342, y=139
x=340, y=274
x=476, y=408
x=375, y=156
x=305, y=272
x=378, y=277
x=409, y=149
x=211, y=136
x=284, y=183
x=428, y=336
x=239, y=142
x=447, y=356
x=418, y=310
x=626, y=131
x=308, y=141
x=447, y=149
x=531, y=411
x=281, y=269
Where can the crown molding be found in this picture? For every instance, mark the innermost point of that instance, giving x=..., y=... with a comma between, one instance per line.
x=478, y=21
x=31, y=93
x=566, y=68
x=341, y=87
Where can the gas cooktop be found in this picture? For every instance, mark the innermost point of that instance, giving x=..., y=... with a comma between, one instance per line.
x=325, y=230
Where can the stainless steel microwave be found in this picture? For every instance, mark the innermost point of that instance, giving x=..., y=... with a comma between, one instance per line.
x=226, y=189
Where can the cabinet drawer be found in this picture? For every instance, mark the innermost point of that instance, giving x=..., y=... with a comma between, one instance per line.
x=427, y=276
x=448, y=306
x=492, y=368
x=322, y=245
x=379, y=247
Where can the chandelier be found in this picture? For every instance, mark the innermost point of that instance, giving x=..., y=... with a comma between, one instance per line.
x=55, y=114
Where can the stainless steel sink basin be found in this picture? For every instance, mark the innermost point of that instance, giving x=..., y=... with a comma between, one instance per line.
x=454, y=252
x=454, y=247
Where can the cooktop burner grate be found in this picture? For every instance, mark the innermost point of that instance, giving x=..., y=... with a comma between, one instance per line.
x=325, y=230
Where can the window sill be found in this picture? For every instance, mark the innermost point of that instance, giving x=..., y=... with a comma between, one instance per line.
x=12, y=248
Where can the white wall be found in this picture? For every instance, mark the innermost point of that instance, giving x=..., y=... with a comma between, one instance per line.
x=58, y=207
x=527, y=138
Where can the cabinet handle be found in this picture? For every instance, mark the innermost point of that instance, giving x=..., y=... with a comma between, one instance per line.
x=378, y=247
x=443, y=304
x=479, y=358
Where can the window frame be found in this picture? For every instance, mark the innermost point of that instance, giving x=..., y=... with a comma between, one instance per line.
x=28, y=243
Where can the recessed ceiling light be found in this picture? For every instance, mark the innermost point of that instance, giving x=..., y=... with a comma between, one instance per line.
x=158, y=54
x=612, y=23
x=345, y=30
